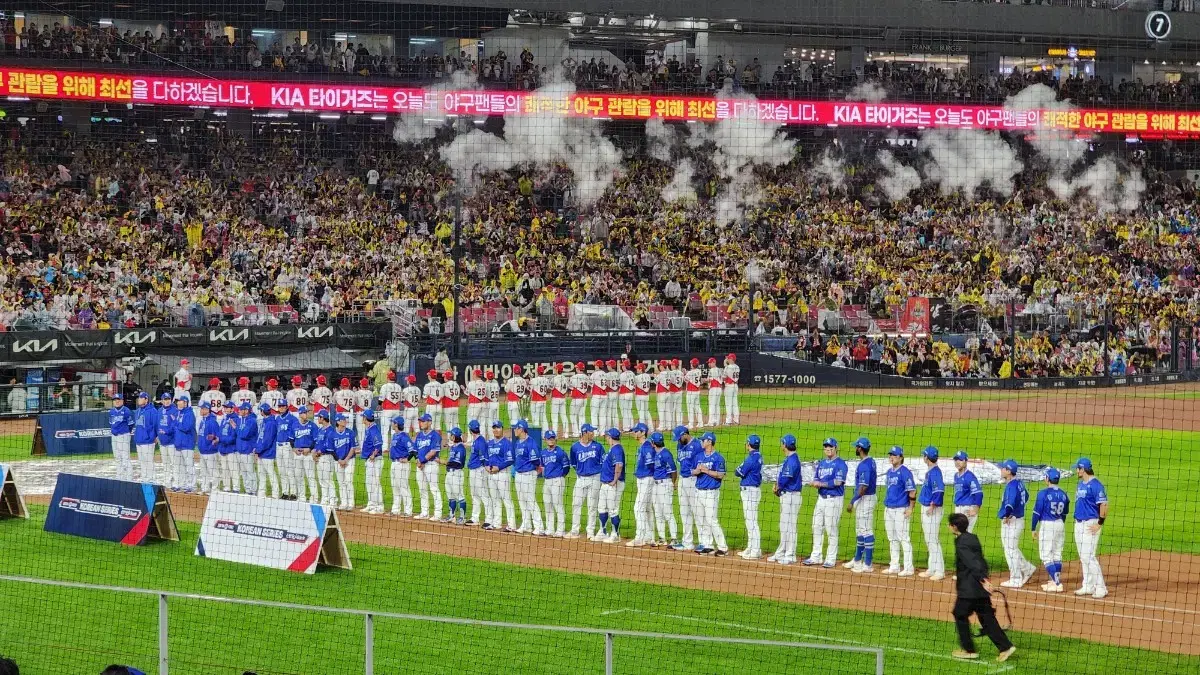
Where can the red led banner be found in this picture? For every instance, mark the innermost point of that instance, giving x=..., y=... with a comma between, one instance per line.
x=165, y=90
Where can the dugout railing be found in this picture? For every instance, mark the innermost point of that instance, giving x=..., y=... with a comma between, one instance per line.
x=610, y=636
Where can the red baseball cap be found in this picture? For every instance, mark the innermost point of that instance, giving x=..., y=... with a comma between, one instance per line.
x=215, y=382
x=695, y=362
x=391, y=376
x=243, y=380
x=345, y=382
x=558, y=367
x=640, y=366
x=364, y=382
x=321, y=380
x=541, y=369
x=272, y=382
x=296, y=380
x=518, y=369
x=580, y=366
x=449, y=375
x=432, y=373
x=599, y=363
x=411, y=378
x=612, y=363
x=731, y=357
x=478, y=372
x=712, y=360
x=491, y=375
x=677, y=362
x=183, y=362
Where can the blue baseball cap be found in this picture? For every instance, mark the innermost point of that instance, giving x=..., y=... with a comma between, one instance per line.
x=425, y=418
x=118, y=396
x=205, y=406
x=369, y=415
x=788, y=441
x=931, y=452
x=166, y=396
x=863, y=442
x=549, y=433
x=230, y=404
x=497, y=424
x=831, y=442
x=613, y=433
x=1084, y=463
x=709, y=436
x=473, y=425
x=341, y=418
x=896, y=451
x=323, y=414
x=264, y=407
x=398, y=422
x=304, y=409
x=961, y=455
x=656, y=438
x=522, y=425
x=679, y=432
x=586, y=428
x=640, y=427
x=142, y=394
x=754, y=441
x=281, y=403
x=1052, y=475
x=456, y=432
x=184, y=397
x=1010, y=464
x=246, y=406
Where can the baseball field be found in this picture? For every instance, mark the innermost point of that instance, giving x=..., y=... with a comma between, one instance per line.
x=1141, y=442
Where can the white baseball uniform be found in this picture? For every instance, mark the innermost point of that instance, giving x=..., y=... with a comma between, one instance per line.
x=559, y=421
x=515, y=389
x=715, y=377
x=692, y=381
x=732, y=410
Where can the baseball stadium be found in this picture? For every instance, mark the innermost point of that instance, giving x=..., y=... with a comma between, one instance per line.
x=385, y=336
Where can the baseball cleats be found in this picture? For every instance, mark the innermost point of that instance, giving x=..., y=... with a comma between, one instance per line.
x=809, y=562
x=598, y=537
x=750, y=555
x=460, y=522
x=1100, y=593
x=1084, y=591
x=571, y=535
x=1013, y=583
x=828, y=566
x=510, y=530
x=864, y=569
x=904, y=573
x=721, y=552
x=937, y=577
x=612, y=538
x=851, y=564
x=676, y=546
x=923, y=574
x=635, y=543
x=774, y=557
x=892, y=570
x=489, y=527
x=786, y=561
x=1051, y=587
x=701, y=550
x=420, y=516
x=1003, y=656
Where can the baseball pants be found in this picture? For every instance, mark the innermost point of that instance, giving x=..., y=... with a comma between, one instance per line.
x=385, y=425
x=751, y=496
x=306, y=470
x=410, y=420
x=514, y=412
x=373, y=475
x=477, y=480
x=587, y=488
x=931, y=526
x=450, y=417
x=625, y=404
x=531, y=515
x=168, y=464
x=714, y=406
x=598, y=414
x=120, y=450
x=537, y=415
x=500, y=495
x=284, y=459
x=427, y=487
x=677, y=399
x=1051, y=535
x=965, y=510
x=733, y=412
x=610, y=499
x=559, y=421
x=827, y=515
x=185, y=469
x=345, y=481
x=210, y=472
x=643, y=510
x=145, y=454
x=325, y=465
x=552, y=498
x=610, y=410
x=402, y=500
x=664, y=510
x=493, y=413
x=900, y=551
x=694, y=413
x=454, y=488
x=578, y=415
x=360, y=428
x=1010, y=539
x=666, y=412
x=643, y=410
x=435, y=413
x=1086, y=544
x=229, y=472
x=689, y=510
x=710, y=526
x=864, y=518
x=789, y=513
x=473, y=413
x=268, y=480
x=249, y=480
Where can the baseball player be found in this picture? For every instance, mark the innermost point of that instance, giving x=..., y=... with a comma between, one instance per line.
x=830, y=482
x=527, y=460
x=862, y=504
x=687, y=451
x=410, y=397
x=561, y=387
x=428, y=445
x=666, y=477
x=401, y=452
x=323, y=458
x=586, y=455
x=515, y=389
x=901, y=492
x=364, y=400
x=228, y=449
x=304, y=467
x=185, y=444
x=612, y=398
x=599, y=396
x=1012, y=524
x=580, y=383
x=244, y=394
x=641, y=395
x=500, y=459
x=787, y=488
x=555, y=467
x=539, y=393
x=733, y=410
x=297, y=396
x=612, y=487
x=372, y=453
x=715, y=376
x=322, y=397
x=476, y=396
x=625, y=387
x=214, y=397
x=433, y=398
x=391, y=395
x=285, y=458
x=166, y=438
x=492, y=387
x=451, y=394
x=477, y=466
x=968, y=493
x=1091, y=508
x=264, y=451
x=342, y=443
x=121, y=425
x=145, y=430
x=456, y=459
x=750, y=473
x=693, y=379
x=662, y=387
x=677, y=385
x=247, y=436
x=709, y=469
x=643, y=472
x=933, y=493
x=183, y=379
x=272, y=396
x=343, y=404
x=1050, y=513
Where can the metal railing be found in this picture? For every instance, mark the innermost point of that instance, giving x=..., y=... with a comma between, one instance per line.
x=369, y=617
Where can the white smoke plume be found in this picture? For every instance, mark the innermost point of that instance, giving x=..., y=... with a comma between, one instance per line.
x=966, y=159
x=1058, y=147
x=871, y=92
x=830, y=170
x=417, y=128
x=660, y=138
x=1105, y=184
x=680, y=187
x=899, y=179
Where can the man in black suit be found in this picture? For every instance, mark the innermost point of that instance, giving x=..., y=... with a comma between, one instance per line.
x=974, y=594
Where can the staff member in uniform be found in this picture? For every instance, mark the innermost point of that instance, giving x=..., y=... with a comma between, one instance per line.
x=527, y=460
x=787, y=488
x=477, y=476
x=209, y=435
x=1050, y=512
x=710, y=472
x=344, y=445
x=372, y=453
x=1091, y=508
x=428, y=444
x=688, y=450
x=247, y=430
x=145, y=430
x=228, y=449
x=643, y=504
x=456, y=459
x=830, y=482
x=862, y=504
x=185, y=444
x=1012, y=524
x=586, y=455
x=555, y=468
x=612, y=486
x=968, y=493
x=400, y=451
x=120, y=425
x=933, y=493
x=264, y=450
x=304, y=467
x=974, y=594
x=897, y=515
x=166, y=439
x=750, y=473
x=666, y=477
x=500, y=458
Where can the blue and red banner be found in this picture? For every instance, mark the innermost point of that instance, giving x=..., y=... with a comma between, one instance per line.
x=102, y=508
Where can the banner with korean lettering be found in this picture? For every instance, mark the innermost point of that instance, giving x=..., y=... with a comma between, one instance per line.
x=915, y=317
x=115, y=87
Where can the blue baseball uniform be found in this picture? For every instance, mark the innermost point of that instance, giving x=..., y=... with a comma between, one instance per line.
x=897, y=498
x=708, y=498
x=1048, y=522
x=1012, y=514
x=1089, y=495
x=664, y=465
x=586, y=459
x=750, y=470
x=555, y=463
x=968, y=494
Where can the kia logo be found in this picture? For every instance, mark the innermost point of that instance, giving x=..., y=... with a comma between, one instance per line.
x=34, y=346
x=228, y=335
x=314, y=333
x=135, y=338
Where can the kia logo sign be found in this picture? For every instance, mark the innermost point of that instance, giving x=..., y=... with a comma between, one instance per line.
x=228, y=335
x=34, y=346
x=134, y=337
x=314, y=333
